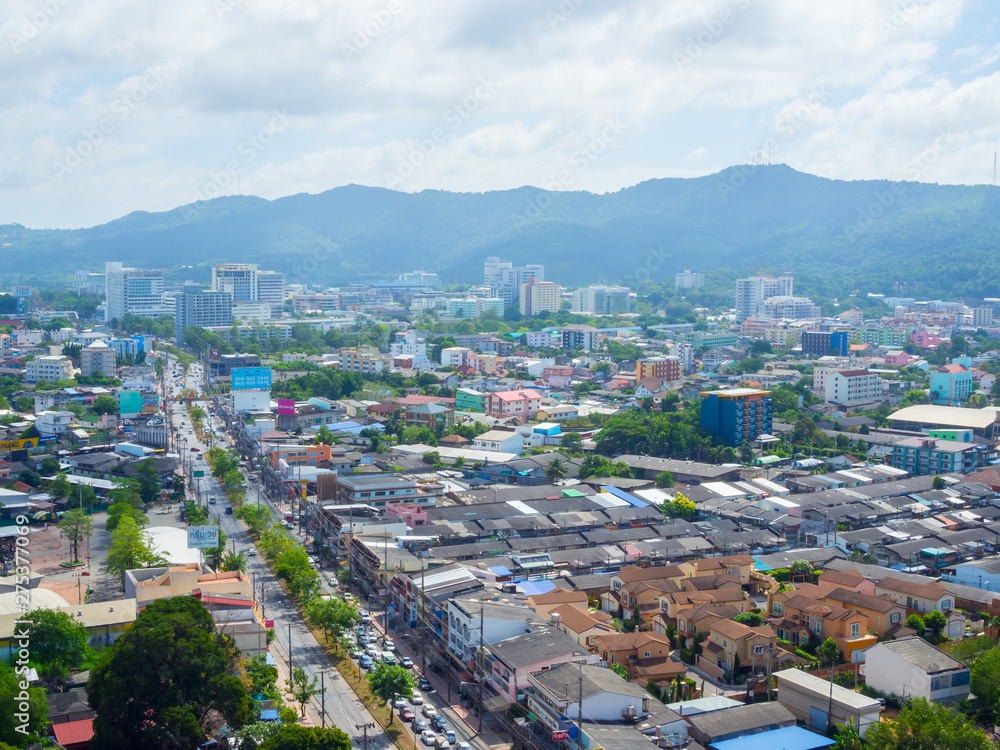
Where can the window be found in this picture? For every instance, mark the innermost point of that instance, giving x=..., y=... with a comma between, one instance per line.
x=725, y=643
x=647, y=654
x=946, y=604
x=894, y=618
x=776, y=608
x=855, y=630
x=960, y=678
x=819, y=626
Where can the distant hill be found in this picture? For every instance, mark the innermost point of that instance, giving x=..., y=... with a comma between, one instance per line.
x=939, y=238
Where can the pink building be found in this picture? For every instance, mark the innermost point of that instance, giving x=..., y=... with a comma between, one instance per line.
x=558, y=377
x=897, y=358
x=523, y=403
x=925, y=339
x=412, y=515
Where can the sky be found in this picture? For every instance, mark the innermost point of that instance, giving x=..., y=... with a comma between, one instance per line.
x=114, y=106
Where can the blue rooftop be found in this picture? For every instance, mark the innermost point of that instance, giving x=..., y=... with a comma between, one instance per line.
x=534, y=588
x=786, y=738
x=621, y=495
x=500, y=571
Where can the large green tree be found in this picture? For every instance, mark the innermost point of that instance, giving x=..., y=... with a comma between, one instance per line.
x=56, y=639
x=297, y=737
x=131, y=547
x=148, y=479
x=122, y=509
x=302, y=688
x=391, y=682
x=161, y=682
x=74, y=527
x=10, y=722
x=923, y=725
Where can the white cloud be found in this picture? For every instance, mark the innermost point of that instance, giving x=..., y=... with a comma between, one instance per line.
x=697, y=86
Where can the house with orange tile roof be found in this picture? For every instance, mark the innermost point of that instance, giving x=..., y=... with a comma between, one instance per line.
x=646, y=656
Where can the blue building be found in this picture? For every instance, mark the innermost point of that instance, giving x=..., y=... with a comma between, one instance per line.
x=820, y=343
x=736, y=414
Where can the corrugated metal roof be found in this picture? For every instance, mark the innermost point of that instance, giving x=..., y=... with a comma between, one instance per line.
x=786, y=738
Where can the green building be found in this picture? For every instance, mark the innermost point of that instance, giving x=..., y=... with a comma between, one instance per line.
x=709, y=339
x=466, y=399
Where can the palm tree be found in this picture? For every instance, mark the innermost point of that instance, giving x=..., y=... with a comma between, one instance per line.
x=555, y=470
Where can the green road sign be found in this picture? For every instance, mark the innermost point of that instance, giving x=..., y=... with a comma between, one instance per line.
x=199, y=473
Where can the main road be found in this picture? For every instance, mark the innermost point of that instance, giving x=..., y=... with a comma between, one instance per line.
x=343, y=708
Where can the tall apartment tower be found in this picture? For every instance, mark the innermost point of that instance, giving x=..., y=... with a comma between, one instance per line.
x=271, y=289
x=602, y=300
x=507, y=279
x=688, y=280
x=751, y=293
x=539, y=296
x=239, y=279
x=197, y=307
x=982, y=317
x=138, y=291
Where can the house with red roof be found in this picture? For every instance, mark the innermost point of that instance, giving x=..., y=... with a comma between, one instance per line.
x=523, y=403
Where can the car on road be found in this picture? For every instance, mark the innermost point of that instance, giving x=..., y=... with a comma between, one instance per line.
x=441, y=743
x=290, y=526
x=252, y=552
x=229, y=510
x=424, y=684
x=364, y=617
x=429, y=711
x=194, y=450
x=406, y=714
x=399, y=703
x=417, y=699
x=365, y=661
x=357, y=654
x=428, y=737
x=371, y=650
x=419, y=725
x=211, y=501
x=450, y=735
x=439, y=722
x=463, y=746
x=389, y=660
x=406, y=662
x=390, y=646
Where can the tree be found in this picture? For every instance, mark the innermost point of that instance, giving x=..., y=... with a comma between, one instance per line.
x=57, y=640
x=680, y=507
x=298, y=737
x=104, y=405
x=164, y=678
x=118, y=511
x=391, y=682
x=746, y=453
x=848, y=737
x=555, y=471
x=922, y=725
x=828, y=652
x=126, y=490
x=332, y=615
x=324, y=436
x=131, y=547
x=916, y=622
x=664, y=479
x=935, y=622
x=10, y=697
x=74, y=527
x=571, y=441
x=750, y=619
x=938, y=483
x=801, y=568
x=302, y=688
x=148, y=480
x=986, y=675
x=49, y=466
x=59, y=487
x=24, y=404
x=620, y=669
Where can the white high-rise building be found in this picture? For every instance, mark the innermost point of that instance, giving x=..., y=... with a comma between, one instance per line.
x=271, y=289
x=507, y=279
x=601, y=300
x=982, y=317
x=239, y=279
x=138, y=291
x=688, y=280
x=198, y=307
x=751, y=293
x=539, y=296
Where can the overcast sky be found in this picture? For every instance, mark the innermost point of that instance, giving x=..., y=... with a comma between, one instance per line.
x=112, y=106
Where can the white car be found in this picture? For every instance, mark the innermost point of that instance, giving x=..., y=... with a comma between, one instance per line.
x=428, y=737
x=417, y=699
x=399, y=703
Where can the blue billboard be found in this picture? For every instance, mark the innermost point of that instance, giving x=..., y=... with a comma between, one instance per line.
x=251, y=378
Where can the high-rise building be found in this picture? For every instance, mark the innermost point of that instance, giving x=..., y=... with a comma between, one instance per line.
x=137, y=291
x=539, y=296
x=198, y=307
x=271, y=290
x=688, y=280
x=822, y=343
x=96, y=358
x=736, y=414
x=982, y=317
x=239, y=279
x=506, y=278
x=420, y=278
x=660, y=368
x=85, y=282
x=601, y=300
x=751, y=293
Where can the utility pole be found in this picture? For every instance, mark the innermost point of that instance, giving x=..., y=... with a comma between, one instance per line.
x=322, y=695
x=289, y=652
x=423, y=646
x=365, y=727
x=579, y=708
x=481, y=675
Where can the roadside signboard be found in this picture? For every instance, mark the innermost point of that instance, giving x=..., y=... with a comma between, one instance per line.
x=251, y=378
x=203, y=537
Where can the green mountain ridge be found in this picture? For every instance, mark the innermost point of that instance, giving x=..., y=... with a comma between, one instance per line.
x=883, y=235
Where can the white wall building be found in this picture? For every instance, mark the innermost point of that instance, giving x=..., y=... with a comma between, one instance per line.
x=913, y=668
x=50, y=367
x=96, y=358
x=499, y=441
x=602, y=300
x=138, y=291
x=408, y=345
x=688, y=280
x=239, y=279
x=751, y=293
x=791, y=308
x=849, y=387
x=539, y=296
x=454, y=356
x=500, y=621
x=52, y=423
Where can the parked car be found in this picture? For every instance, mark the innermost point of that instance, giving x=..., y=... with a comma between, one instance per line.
x=406, y=714
x=211, y=501
x=463, y=746
x=389, y=660
x=424, y=684
x=390, y=646
x=290, y=526
x=252, y=552
x=428, y=737
x=406, y=662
